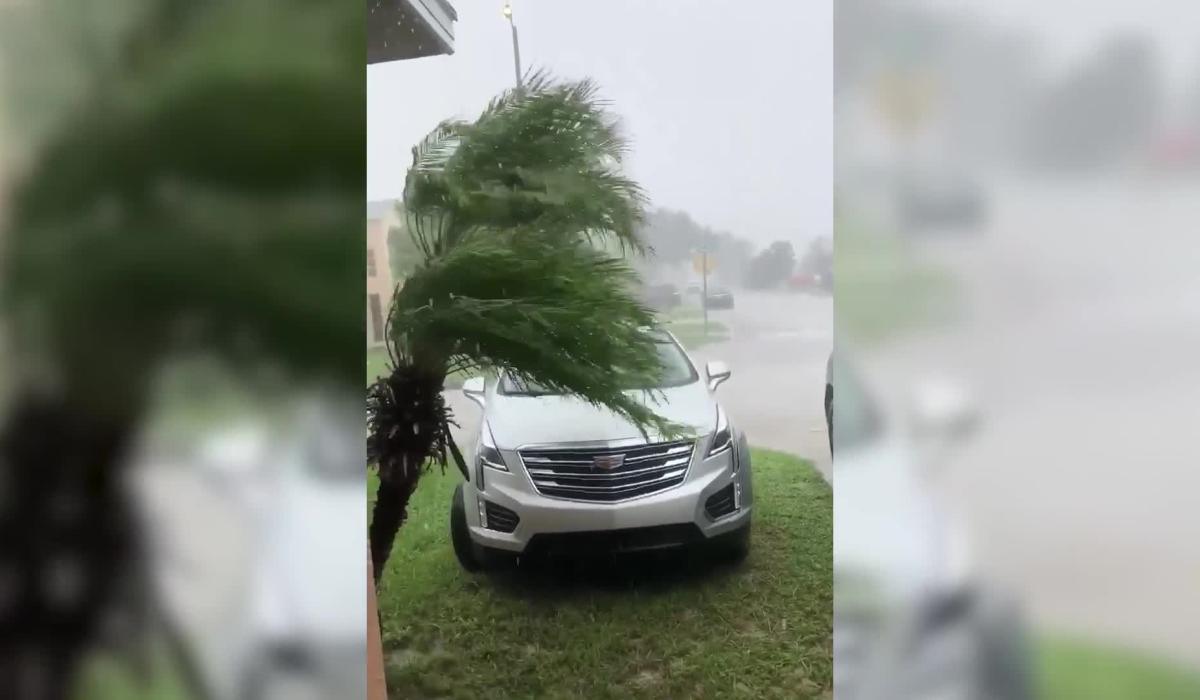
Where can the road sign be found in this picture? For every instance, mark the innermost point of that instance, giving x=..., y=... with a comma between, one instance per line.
x=703, y=263
x=905, y=99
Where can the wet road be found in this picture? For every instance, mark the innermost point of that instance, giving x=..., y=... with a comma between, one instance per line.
x=1080, y=343
x=777, y=350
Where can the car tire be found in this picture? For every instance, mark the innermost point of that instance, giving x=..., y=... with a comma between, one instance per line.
x=829, y=415
x=471, y=556
x=734, y=546
x=1006, y=670
x=465, y=549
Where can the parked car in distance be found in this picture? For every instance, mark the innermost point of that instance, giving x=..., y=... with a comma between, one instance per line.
x=719, y=298
x=932, y=202
x=661, y=296
x=810, y=283
x=555, y=475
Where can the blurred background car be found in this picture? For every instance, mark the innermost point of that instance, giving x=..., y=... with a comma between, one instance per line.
x=935, y=201
x=661, y=297
x=719, y=298
x=810, y=283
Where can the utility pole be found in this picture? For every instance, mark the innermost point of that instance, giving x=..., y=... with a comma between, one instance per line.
x=704, y=287
x=508, y=13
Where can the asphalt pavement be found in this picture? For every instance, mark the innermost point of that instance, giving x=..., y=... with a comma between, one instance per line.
x=777, y=350
x=1080, y=341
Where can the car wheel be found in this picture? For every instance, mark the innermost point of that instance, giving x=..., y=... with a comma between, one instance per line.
x=465, y=548
x=733, y=546
x=471, y=556
x=1006, y=672
x=829, y=415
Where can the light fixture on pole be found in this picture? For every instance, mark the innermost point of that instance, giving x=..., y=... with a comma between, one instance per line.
x=508, y=14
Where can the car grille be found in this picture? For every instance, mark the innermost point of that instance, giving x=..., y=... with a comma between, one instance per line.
x=720, y=503
x=573, y=473
x=500, y=518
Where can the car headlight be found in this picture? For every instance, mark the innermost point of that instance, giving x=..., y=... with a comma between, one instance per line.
x=722, y=439
x=488, y=455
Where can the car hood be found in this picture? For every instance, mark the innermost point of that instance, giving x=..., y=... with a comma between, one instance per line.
x=527, y=420
x=309, y=581
x=886, y=524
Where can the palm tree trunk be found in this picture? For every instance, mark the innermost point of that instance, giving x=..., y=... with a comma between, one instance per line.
x=67, y=542
x=408, y=428
x=390, y=511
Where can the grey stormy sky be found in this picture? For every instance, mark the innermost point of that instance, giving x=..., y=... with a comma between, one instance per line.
x=1072, y=30
x=728, y=102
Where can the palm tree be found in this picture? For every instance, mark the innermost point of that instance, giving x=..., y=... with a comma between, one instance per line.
x=513, y=216
x=202, y=197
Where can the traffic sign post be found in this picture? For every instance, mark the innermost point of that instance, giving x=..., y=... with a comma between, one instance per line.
x=703, y=264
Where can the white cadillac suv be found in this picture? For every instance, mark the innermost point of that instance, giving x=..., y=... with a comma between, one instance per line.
x=552, y=474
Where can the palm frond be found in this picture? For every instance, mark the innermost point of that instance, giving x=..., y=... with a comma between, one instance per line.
x=431, y=154
x=429, y=201
x=561, y=315
x=535, y=81
x=546, y=155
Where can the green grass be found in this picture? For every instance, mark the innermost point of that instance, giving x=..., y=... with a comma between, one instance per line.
x=692, y=335
x=884, y=291
x=640, y=628
x=1070, y=669
x=683, y=313
x=687, y=323
x=105, y=678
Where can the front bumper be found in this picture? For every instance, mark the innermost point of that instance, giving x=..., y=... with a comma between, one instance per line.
x=634, y=524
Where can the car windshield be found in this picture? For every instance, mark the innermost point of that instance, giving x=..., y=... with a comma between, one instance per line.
x=677, y=370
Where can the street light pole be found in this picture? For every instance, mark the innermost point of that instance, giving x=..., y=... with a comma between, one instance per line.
x=704, y=290
x=516, y=46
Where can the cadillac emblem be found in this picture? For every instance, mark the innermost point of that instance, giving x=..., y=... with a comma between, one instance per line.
x=607, y=462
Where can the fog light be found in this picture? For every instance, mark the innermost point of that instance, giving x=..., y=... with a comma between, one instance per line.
x=737, y=495
x=482, y=513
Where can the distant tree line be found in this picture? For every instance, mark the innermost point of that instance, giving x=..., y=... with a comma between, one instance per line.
x=999, y=103
x=674, y=237
x=1101, y=113
x=777, y=265
x=772, y=267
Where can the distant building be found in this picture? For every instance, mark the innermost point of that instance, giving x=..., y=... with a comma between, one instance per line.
x=397, y=30
x=381, y=217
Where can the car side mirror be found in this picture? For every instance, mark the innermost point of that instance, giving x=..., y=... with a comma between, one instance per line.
x=943, y=412
x=474, y=389
x=717, y=372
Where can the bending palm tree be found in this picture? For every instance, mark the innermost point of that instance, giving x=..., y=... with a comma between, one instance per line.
x=510, y=215
x=158, y=221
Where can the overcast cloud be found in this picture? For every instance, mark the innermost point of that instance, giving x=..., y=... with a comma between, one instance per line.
x=728, y=102
x=1072, y=31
